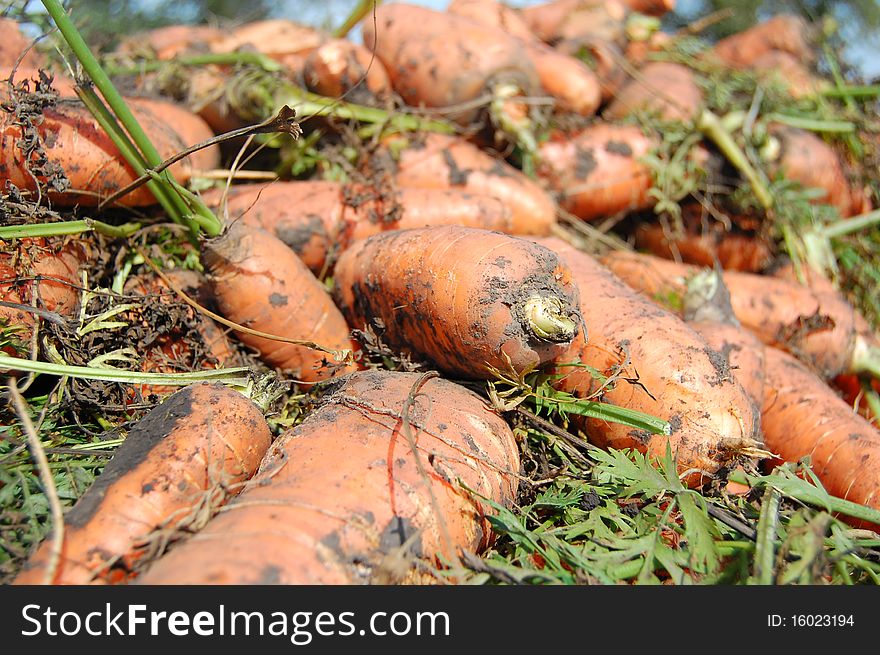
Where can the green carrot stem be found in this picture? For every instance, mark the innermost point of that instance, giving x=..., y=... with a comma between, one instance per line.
x=235, y=376
x=850, y=225
x=839, y=82
x=710, y=125
x=856, y=91
x=361, y=9
x=310, y=104
x=811, y=124
x=219, y=58
x=111, y=95
x=765, y=551
x=169, y=202
x=68, y=227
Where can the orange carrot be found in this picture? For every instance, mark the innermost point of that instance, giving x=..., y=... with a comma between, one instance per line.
x=467, y=300
x=575, y=19
x=651, y=7
x=339, y=66
x=596, y=171
x=194, y=342
x=707, y=309
x=790, y=71
x=494, y=13
x=319, y=219
x=447, y=162
x=664, y=88
x=805, y=158
x=603, y=58
x=784, y=32
x=284, y=40
x=655, y=364
x=13, y=45
x=391, y=509
x=259, y=282
x=169, y=41
x=177, y=465
x=573, y=85
x=637, y=52
x=39, y=272
x=844, y=449
x=442, y=60
x=67, y=150
x=818, y=327
x=705, y=241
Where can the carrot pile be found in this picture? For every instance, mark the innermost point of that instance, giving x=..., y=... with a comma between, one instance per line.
x=459, y=206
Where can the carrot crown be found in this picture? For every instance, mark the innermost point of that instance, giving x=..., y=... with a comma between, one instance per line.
x=546, y=319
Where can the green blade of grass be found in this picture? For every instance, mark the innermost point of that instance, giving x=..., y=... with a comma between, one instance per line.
x=63, y=228
x=117, y=104
x=232, y=376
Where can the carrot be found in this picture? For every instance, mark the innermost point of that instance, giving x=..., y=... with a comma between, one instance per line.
x=603, y=58
x=784, y=32
x=193, y=342
x=447, y=162
x=284, y=40
x=705, y=241
x=63, y=147
x=13, y=44
x=442, y=60
x=395, y=505
x=576, y=19
x=494, y=13
x=39, y=272
x=468, y=300
x=803, y=417
x=30, y=78
x=654, y=363
x=176, y=466
x=707, y=309
x=805, y=158
x=170, y=41
x=573, y=85
x=637, y=52
x=259, y=282
x=663, y=88
x=819, y=327
x=338, y=66
x=651, y=7
x=319, y=219
x=595, y=172
x=788, y=70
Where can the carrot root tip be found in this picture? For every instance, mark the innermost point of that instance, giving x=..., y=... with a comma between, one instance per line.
x=546, y=319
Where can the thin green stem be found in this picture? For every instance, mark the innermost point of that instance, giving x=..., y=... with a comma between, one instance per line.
x=115, y=101
x=837, y=76
x=231, y=376
x=311, y=105
x=361, y=9
x=856, y=91
x=850, y=225
x=172, y=205
x=219, y=58
x=68, y=227
x=765, y=544
x=812, y=124
x=711, y=126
